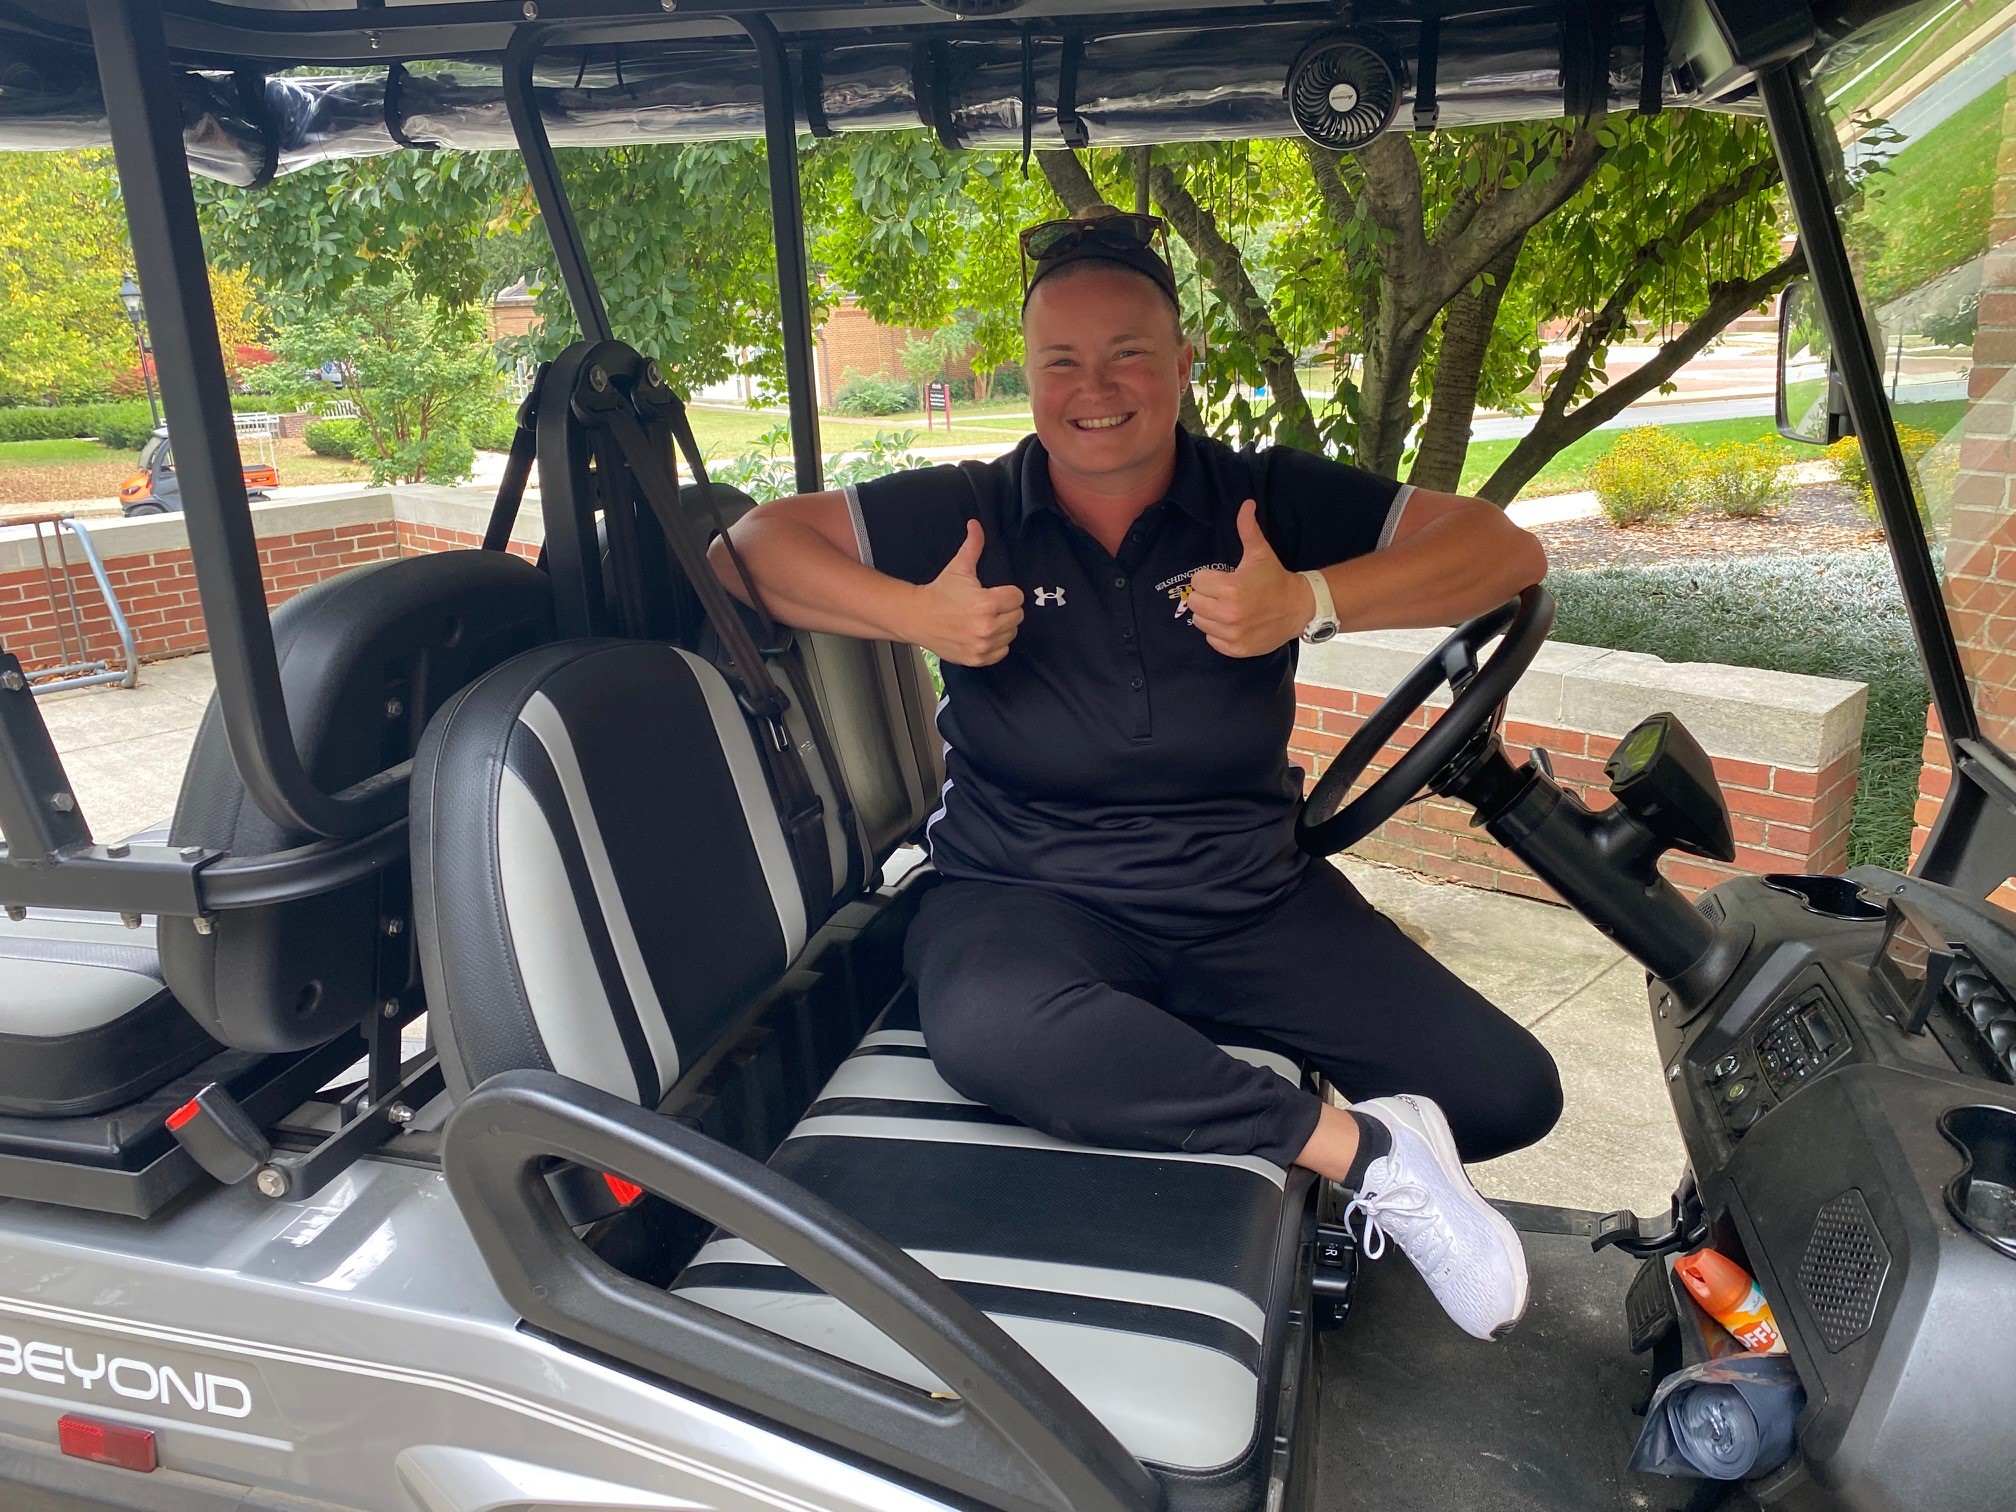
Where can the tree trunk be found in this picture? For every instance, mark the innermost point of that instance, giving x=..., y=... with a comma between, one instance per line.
x=1197, y=226
x=1459, y=367
x=1558, y=426
x=1069, y=181
x=1420, y=275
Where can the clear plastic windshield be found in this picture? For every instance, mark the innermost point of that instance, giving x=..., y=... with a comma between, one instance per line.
x=1923, y=107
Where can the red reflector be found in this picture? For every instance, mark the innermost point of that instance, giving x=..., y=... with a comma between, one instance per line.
x=625, y=1192
x=183, y=1114
x=107, y=1443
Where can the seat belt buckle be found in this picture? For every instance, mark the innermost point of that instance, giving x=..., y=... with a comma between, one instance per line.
x=220, y=1135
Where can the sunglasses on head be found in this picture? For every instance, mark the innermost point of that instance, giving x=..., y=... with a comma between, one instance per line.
x=1122, y=233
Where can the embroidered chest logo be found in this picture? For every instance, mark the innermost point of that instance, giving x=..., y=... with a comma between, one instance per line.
x=1048, y=597
x=1178, y=587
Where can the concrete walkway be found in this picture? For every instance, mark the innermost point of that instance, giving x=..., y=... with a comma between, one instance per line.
x=1616, y=1146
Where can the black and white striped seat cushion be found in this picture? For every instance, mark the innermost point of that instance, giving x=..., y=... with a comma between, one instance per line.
x=601, y=809
x=1144, y=1281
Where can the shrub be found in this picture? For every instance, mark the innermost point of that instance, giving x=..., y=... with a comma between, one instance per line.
x=127, y=429
x=888, y=452
x=335, y=438
x=53, y=422
x=880, y=395
x=1759, y=612
x=765, y=474
x=1009, y=383
x=1741, y=480
x=494, y=432
x=1646, y=478
x=1851, y=469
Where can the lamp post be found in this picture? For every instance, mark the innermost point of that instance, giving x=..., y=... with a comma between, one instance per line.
x=129, y=296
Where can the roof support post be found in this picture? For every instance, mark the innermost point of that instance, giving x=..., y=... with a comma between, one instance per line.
x=787, y=225
x=544, y=172
x=143, y=108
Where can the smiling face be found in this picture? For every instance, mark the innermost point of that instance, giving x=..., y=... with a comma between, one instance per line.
x=1107, y=367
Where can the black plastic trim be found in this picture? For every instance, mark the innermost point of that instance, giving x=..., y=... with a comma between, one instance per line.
x=1012, y=1436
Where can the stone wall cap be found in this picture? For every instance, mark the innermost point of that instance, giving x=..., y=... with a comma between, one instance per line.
x=463, y=509
x=1742, y=713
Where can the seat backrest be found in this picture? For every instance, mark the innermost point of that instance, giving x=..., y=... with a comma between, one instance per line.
x=876, y=696
x=365, y=659
x=600, y=879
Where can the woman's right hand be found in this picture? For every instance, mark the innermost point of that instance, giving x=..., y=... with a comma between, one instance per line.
x=962, y=621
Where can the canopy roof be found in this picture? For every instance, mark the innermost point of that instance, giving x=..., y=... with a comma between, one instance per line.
x=271, y=85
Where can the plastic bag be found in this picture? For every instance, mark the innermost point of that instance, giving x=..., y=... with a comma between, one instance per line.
x=1725, y=1419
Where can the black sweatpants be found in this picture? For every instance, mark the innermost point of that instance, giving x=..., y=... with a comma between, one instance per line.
x=1073, y=1024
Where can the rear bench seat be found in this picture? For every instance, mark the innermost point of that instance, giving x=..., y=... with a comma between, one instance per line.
x=600, y=884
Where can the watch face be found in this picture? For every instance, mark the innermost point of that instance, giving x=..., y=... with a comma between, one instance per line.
x=1319, y=635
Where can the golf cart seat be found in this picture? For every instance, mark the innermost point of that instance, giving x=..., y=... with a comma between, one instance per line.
x=86, y=1021
x=95, y=1016
x=876, y=696
x=365, y=659
x=599, y=886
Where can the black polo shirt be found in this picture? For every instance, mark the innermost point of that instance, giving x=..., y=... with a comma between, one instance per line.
x=1112, y=755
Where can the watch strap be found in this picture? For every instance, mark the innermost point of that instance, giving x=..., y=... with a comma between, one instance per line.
x=1325, y=617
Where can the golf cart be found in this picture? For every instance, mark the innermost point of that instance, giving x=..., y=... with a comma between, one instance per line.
x=666, y=1207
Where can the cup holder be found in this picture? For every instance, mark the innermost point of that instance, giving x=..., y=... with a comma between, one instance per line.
x=1983, y=1195
x=1829, y=897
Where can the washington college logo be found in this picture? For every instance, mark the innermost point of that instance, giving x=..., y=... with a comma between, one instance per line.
x=1178, y=587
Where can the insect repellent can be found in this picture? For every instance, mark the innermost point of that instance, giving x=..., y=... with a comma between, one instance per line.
x=1732, y=1299
x=1727, y=1294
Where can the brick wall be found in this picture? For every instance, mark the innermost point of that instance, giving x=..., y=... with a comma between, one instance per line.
x=149, y=565
x=1980, y=562
x=1786, y=750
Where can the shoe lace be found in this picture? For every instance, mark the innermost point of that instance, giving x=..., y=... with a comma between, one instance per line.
x=1405, y=1211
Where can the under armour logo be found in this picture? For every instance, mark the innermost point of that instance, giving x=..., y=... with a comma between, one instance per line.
x=1045, y=596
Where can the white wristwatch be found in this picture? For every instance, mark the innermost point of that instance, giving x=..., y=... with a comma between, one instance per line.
x=1324, y=623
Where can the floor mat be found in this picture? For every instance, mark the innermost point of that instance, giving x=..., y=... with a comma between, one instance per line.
x=1419, y=1417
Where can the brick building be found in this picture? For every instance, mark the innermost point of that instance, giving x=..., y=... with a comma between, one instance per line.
x=854, y=344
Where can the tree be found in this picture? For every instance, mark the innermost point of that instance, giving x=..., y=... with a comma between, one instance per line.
x=420, y=372
x=678, y=236
x=1422, y=267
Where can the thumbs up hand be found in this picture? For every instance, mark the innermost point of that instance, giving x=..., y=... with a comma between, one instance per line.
x=963, y=622
x=1257, y=607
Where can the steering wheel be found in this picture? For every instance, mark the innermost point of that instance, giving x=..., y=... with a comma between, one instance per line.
x=1323, y=828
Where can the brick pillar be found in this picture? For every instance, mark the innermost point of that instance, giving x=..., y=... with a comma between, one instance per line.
x=1981, y=533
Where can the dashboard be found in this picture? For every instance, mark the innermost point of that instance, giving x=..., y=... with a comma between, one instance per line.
x=1848, y=1100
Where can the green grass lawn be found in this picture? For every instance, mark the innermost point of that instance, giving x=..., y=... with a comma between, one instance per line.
x=59, y=453
x=1567, y=471
x=724, y=433
x=1930, y=210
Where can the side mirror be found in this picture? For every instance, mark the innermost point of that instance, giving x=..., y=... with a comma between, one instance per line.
x=1810, y=403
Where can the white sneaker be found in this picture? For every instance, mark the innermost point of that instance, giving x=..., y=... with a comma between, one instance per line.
x=1420, y=1196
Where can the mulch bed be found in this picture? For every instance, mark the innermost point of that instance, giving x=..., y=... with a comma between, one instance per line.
x=63, y=481
x=1822, y=517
